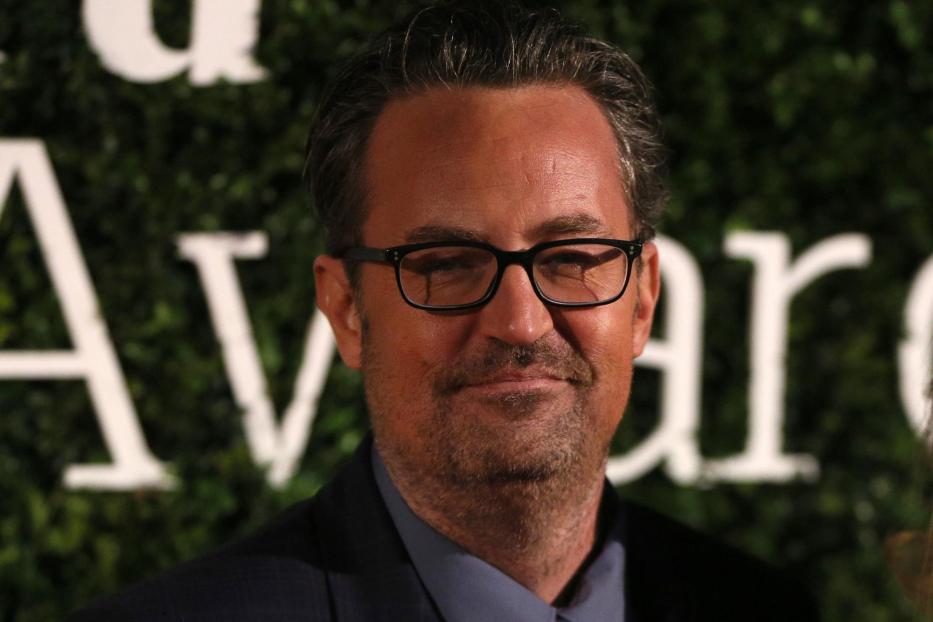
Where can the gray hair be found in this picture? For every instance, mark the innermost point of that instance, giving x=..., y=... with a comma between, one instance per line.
x=488, y=43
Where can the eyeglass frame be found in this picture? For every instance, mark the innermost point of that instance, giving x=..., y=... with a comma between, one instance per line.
x=394, y=255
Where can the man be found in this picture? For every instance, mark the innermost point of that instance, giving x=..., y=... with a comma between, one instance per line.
x=488, y=178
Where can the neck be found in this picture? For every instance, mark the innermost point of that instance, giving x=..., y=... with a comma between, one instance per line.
x=539, y=533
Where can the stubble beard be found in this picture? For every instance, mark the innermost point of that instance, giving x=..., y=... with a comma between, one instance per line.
x=511, y=461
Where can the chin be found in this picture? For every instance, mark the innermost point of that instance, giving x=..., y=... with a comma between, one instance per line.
x=520, y=448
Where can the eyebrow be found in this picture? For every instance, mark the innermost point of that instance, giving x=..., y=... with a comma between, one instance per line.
x=569, y=224
x=437, y=233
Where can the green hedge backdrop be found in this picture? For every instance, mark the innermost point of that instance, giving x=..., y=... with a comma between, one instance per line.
x=809, y=117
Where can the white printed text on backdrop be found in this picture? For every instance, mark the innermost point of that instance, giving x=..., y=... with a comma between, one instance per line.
x=223, y=35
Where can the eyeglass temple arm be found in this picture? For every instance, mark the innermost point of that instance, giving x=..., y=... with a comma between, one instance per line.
x=366, y=253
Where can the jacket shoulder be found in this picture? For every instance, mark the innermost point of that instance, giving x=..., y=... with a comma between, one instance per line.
x=274, y=574
x=709, y=578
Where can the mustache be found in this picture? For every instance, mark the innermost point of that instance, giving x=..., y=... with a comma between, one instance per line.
x=547, y=356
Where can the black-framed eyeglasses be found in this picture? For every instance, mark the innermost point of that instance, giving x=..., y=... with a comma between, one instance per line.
x=447, y=276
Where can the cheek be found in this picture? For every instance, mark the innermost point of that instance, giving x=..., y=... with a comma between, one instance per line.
x=612, y=355
x=604, y=338
x=409, y=343
x=603, y=335
x=425, y=346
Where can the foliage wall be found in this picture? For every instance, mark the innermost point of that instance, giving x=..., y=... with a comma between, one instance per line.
x=811, y=118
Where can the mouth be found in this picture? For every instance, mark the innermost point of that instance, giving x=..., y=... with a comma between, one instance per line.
x=515, y=382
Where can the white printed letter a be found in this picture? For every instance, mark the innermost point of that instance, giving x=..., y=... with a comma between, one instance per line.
x=93, y=358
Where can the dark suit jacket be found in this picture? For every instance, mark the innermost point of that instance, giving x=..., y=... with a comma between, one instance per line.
x=338, y=557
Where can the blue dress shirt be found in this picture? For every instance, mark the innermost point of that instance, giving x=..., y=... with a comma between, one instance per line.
x=466, y=588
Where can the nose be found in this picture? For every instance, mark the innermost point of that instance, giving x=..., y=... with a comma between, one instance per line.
x=515, y=314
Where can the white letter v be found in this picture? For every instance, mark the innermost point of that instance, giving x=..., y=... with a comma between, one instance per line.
x=278, y=447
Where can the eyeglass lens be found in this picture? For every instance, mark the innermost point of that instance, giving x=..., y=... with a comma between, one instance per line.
x=450, y=276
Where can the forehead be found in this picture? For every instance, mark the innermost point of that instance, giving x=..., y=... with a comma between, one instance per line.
x=500, y=163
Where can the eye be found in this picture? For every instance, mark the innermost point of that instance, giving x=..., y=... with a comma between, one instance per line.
x=569, y=261
x=445, y=261
x=577, y=261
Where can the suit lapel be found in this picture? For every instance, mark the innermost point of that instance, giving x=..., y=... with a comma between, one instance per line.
x=369, y=573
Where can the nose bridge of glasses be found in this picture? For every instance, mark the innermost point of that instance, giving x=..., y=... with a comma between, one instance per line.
x=523, y=260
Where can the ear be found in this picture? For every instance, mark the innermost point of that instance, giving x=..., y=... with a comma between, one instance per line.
x=336, y=301
x=648, y=287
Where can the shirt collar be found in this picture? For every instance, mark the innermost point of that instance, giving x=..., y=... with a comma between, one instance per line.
x=466, y=588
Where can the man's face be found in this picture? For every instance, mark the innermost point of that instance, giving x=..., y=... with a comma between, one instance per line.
x=515, y=390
